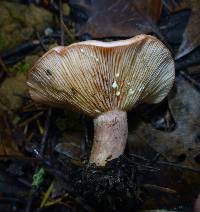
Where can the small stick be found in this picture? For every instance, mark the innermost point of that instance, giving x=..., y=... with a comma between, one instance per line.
x=44, y=48
x=45, y=135
x=30, y=199
x=178, y=166
x=159, y=188
x=87, y=143
x=191, y=59
x=23, y=96
x=2, y=64
x=61, y=23
x=70, y=36
x=11, y=200
x=44, y=138
x=47, y=122
x=166, y=163
x=19, y=50
x=190, y=79
x=31, y=119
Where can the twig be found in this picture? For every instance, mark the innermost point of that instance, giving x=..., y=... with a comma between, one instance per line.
x=63, y=28
x=30, y=199
x=44, y=48
x=191, y=59
x=31, y=108
x=19, y=51
x=140, y=166
x=166, y=163
x=2, y=64
x=11, y=200
x=190, y=79
x=12, y=178
x=87, y=143
x=47, y=122
x=31, y=119
x=45, y=135
x=159, y=188
x=70, y=36
x=61, y=23
x=23, y=96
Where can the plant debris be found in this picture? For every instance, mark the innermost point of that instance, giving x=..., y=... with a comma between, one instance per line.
x=101, y=19
x=191, y=35
x=44, y=152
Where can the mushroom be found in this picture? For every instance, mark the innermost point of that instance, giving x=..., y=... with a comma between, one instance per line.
x=104, y=80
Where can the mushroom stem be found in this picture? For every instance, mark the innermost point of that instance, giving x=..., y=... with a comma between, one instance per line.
x=110, y=136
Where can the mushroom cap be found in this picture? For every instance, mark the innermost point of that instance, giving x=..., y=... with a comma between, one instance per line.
x=96, y=77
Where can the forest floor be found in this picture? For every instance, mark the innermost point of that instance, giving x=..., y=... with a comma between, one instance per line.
x=44, y=151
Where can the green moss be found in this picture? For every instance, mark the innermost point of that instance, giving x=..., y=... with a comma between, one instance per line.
x=18, y=22
x=24, y=67
x=20, y=68
x=38, y=177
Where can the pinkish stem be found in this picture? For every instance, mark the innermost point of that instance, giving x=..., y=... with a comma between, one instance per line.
x=110, y=136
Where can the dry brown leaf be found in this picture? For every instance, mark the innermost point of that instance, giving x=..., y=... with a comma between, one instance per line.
x=154, y=9
x=8, y=145
x=71, y=147
x=182, y=143
x=191, y=36
x=118, y=18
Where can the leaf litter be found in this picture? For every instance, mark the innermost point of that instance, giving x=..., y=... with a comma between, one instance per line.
x=160, y=167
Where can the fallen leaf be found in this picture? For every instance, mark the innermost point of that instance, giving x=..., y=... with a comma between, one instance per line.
x=11, y=86
x=191, y=35
x=182, y=144
x=71, y=147
x=8, y=145
x=118, y=18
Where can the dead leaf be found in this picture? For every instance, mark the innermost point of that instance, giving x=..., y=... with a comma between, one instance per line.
x=8, y=88
x=182, y=144
x=191, y=35
x=154, y=9
x=118, y=18
x=8, y=145
x=71, y=147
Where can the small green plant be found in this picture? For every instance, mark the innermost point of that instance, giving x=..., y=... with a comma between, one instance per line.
x=24, y=67
x=38, y=177
x=20, y=68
